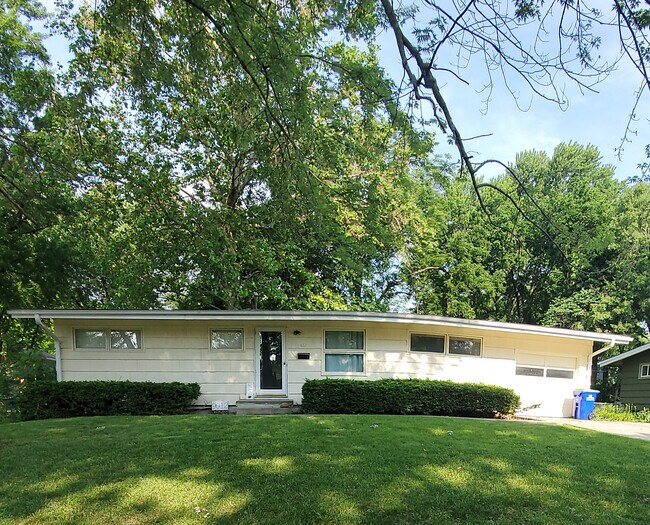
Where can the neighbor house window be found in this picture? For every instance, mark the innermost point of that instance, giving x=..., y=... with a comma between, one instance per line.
x=644, y=371
x=227, y=339
x=344, y=351
x=464, y=346
x=108, y=339
x=428, y=343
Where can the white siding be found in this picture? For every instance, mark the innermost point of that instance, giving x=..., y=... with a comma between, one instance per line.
x=180, y=351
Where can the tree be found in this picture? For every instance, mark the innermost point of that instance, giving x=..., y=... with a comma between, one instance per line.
x=285, y=185
x=465, y=266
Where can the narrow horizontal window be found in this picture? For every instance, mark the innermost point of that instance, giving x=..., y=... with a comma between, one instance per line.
x=530, y=371
x=343, y=362
x=428, y=343
x=126, y=340
x=463, y=346
x=90, y=339
x=227, y=339
x=344, y=340
x=561, y=374
x=644, y=370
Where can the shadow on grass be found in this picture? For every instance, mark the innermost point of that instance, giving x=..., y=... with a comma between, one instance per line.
x=318, y=469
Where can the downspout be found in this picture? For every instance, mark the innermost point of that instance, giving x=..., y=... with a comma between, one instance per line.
x=57, y=344
x=608, y=346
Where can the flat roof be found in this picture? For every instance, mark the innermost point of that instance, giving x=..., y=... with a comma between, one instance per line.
x=624, y=355
x=297, y=315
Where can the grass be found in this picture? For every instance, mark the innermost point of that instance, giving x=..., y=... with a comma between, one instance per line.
x=318, y=469
x=612, y=412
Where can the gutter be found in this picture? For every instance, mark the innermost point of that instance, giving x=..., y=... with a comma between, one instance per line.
x=57, y=344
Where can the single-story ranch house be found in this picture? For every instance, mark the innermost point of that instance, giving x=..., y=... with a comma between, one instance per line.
x=635, y=375
x=236, y=355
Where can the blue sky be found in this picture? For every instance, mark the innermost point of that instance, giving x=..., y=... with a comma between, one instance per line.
x=590, y=118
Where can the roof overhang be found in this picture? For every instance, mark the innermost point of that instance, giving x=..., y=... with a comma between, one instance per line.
x=625, y=355
x=291, y=315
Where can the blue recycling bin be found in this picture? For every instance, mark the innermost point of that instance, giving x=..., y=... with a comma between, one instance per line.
x=585, y=402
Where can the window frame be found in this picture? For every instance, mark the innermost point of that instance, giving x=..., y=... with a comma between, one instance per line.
x=227, y=329
x=108, y=347
x=641, y=375
x=559, y=369
x=535, y=367
x=345, y=351
x=471, y=338
x=545, y=370
x=425, y=352
x=447, y=337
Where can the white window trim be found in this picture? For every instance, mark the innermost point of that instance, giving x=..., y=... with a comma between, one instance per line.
x=471, y=337
x=444, y=344
x=348, y=351
x=227, y=350
x=107, y=346
x=641, y=365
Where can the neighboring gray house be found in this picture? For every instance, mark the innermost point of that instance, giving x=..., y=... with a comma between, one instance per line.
x=635, y=375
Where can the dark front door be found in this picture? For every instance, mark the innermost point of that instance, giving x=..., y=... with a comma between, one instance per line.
x=271, y=361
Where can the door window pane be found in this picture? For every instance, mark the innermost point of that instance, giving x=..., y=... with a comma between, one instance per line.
x=343, y=362
x=227, y=339
x=271, y=360
x=126, y=340
x=94, y=339
x=428, y=343
x=343, y=340
x=462, y=346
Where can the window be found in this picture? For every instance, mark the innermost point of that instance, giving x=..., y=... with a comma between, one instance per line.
x=344, y=351
x=532, y=371
x=428, y=343
x=540, y=371
x=227, y=339
x=90, y=339
x=559, y=373
x=343, y=340
x=644, y=371
x=344, y=363
x=108, y=339
x=464, y=346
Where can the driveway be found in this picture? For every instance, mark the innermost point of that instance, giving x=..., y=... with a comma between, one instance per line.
x=621, y=428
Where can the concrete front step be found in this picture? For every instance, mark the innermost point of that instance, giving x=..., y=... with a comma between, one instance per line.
x=258, y=406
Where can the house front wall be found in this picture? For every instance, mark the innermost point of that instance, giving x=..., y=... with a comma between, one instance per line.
x=635, y=390
x=181, y=351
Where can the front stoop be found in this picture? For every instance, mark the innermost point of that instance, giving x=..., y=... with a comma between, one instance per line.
x=259, y=406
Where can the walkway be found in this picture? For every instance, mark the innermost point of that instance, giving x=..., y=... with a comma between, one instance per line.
x=621, y=428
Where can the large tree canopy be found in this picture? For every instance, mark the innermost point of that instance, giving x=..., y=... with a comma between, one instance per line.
x=208, y=154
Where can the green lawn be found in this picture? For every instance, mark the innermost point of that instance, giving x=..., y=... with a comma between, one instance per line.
x=318, y=469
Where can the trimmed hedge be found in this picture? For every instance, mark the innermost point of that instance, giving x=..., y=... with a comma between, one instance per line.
x=407, y=396
x=48, y=399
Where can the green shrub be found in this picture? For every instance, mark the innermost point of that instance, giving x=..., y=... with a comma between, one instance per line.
x=612, y=412
x=407, y=396
x=48, y=399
